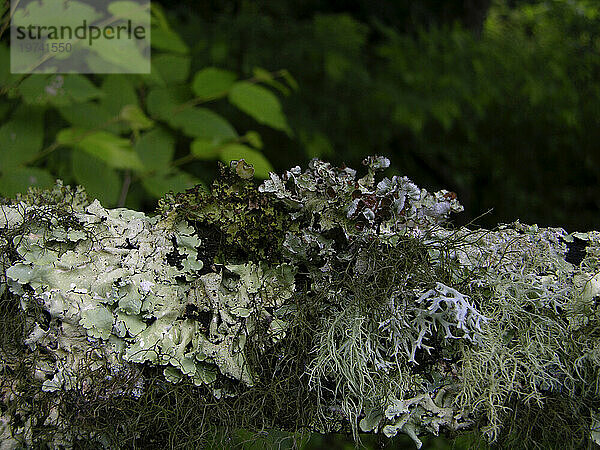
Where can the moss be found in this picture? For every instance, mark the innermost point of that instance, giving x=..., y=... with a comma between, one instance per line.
x=243, y=223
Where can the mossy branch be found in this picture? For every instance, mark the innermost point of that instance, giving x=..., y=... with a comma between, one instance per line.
x=317, y=301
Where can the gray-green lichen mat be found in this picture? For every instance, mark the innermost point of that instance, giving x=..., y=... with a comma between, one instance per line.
x=350, y=298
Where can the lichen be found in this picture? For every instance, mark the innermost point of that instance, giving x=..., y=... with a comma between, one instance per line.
x=237, y=221
x=318, y=300
x=124, y=281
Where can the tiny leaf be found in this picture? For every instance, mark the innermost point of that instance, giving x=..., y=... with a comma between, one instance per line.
x=260, y=103
x=136, y=117
x=162, y=101
x=172, y=69
x=212, y=82
x=156, y=148
x=115, y=151
x=168, y=40
x=202, y=123
x=254, y=139
x=208, y=149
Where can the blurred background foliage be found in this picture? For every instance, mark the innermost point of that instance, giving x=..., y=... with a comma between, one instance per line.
x=498, y=100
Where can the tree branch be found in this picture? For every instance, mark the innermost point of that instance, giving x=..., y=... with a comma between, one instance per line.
x=316, y=301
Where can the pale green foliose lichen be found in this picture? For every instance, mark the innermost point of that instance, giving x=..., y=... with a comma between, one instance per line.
x=113, y=282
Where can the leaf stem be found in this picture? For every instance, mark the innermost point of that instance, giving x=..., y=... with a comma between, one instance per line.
x=124, y=189
x=183, y=160
x=46, y=151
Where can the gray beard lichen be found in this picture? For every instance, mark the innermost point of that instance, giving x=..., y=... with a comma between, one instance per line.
x=317, y=300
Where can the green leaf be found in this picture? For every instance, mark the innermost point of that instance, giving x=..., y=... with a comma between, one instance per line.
x=122, y=55
x=21, y=137
x=99, y=180
x=261, y=74
x=52, y=13
x=172, y=69
x=136, y=117
x=202, y=123
x=79, y=88
x=118, y=91
x=207, y=149
x=177, y=181
x=162, y=102
x=261, y=165
x=158, y=16
x=290, y=80
x=254, y=139
x=156, y=149
x=168, y=40
x=212, y=82
x=153, y=78
x=38, y=89
x=266, y=77
x=130, y=10
x=58, y=90
x=113, y=150
x=260, y=103
x=85, y=115
x=22, y=178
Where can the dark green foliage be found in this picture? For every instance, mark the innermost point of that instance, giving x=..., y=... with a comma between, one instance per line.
x=506, y=118
x=131, y=138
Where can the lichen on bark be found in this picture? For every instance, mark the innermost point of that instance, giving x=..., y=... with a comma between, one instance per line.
x=316, y=300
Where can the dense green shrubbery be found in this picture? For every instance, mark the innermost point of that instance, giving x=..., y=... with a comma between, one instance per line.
x=507, y=119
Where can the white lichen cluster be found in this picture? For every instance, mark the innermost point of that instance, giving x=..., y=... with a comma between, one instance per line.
x=441, y=308
x=334, y=197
